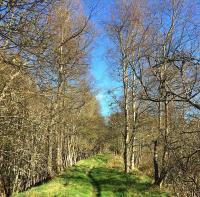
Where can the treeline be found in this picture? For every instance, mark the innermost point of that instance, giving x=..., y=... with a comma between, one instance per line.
x=49, y=118
x=155, y=55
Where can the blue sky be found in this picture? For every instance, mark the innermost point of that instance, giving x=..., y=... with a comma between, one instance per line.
x=101, y=73
x=100, y=68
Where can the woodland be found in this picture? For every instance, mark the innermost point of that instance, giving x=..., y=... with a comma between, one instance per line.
x=50, y=117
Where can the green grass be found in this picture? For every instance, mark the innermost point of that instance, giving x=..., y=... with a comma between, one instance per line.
x=99, y=176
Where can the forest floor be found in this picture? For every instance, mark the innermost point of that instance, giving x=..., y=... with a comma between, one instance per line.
x=98, y=176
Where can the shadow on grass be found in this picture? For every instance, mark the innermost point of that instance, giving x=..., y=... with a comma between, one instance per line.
x=121, y=184
x=111, y=180
x=76, y=174
x=95, y=184
x=93, y=177
x=106, y=180
x=103, y=158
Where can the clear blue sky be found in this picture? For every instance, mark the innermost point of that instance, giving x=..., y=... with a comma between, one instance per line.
x=101, y=72
x=100, y=68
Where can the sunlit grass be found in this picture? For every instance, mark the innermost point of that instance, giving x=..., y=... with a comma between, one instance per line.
x=100, y=176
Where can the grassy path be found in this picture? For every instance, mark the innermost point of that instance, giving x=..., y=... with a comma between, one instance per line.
x=96, y=186
x=99, y=176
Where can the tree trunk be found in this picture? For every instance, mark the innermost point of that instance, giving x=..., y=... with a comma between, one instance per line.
x=50, y=157
x=132, y=148
x=132, y=154
x=127, y=122
x=155, y=163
